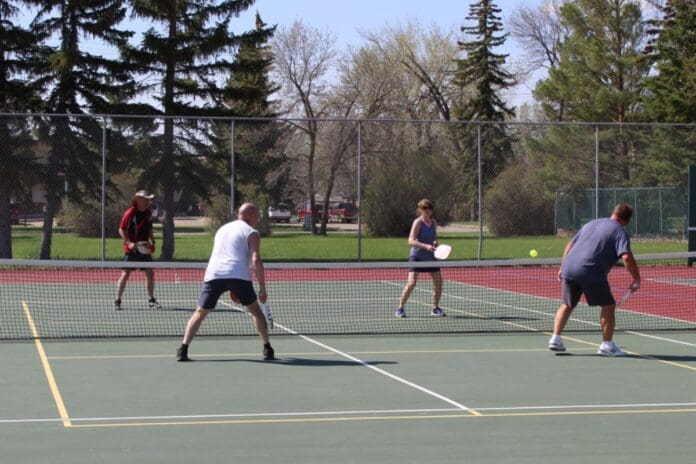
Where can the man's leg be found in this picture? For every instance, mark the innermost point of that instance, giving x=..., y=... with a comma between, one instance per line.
x=150, y=277
x=262, y=329
x=259, y=321
x=562, y=316
x=192, y=327
x=194, y=324
x=607, y=319
x=120, y=287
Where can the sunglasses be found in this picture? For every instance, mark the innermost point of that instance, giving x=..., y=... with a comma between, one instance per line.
x=426, y=207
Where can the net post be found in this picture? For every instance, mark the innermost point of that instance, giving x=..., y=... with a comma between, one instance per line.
x=103, y=192
x=691, y=201
x=359, y=196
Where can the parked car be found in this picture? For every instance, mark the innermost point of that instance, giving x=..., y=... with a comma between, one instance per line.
x=303, y=212
x=14, y=214
x=343, y=212
x=280, y=213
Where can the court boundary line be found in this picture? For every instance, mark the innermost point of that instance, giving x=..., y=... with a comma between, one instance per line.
x=52, y=384
x=370, y=415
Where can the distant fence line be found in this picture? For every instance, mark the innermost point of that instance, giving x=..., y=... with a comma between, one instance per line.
x=512, y=178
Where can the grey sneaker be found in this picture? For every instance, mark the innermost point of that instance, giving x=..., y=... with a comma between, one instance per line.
x=153, y=304
x=556, y=346
x=611, y=351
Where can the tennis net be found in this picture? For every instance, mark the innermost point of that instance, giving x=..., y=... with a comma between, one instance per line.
x=75, y=299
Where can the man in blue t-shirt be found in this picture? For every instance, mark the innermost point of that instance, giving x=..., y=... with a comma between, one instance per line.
x=587, y=260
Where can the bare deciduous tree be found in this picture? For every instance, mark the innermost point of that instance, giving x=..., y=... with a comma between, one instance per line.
x=539, y=30
x=304, y=57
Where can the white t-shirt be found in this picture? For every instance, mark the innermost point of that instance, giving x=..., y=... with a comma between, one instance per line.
x=230, y=258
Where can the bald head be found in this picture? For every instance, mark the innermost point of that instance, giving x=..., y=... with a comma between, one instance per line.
x=249, y=213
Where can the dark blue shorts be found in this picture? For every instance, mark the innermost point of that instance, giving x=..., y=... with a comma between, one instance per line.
x=596, y=293
x=213, y=289
x=413, y=259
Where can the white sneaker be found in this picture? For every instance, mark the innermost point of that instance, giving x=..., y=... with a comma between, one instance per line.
x=556, y=345
x=612, y=351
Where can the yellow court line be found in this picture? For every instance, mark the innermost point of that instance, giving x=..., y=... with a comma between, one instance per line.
x=387, y=418
x=47, y=368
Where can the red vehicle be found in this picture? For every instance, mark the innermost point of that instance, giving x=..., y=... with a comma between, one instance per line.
x=343, y=212
x=302, y=212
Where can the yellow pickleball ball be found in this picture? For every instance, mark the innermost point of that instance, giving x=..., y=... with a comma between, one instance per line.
x=533, y=253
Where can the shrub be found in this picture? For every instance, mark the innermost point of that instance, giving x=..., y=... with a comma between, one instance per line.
x=396, y=186
x=516, y=204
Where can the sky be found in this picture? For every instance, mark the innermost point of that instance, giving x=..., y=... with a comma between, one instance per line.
x=346, y=19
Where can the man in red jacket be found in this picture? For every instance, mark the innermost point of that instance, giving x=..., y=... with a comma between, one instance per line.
x=138, y=244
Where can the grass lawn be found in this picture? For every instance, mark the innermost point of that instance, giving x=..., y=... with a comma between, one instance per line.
x=284, y=245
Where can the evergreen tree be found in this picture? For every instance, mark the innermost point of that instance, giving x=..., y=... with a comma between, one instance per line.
x=670, y=96
x=186, y=58
x=482, y=71
x=20, y=57
x=80, y=81
x=601, y=68
x=671, y=93
x=598, y=78
x=259, y=175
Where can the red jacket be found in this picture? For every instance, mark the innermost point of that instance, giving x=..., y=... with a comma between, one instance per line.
x=137, y=226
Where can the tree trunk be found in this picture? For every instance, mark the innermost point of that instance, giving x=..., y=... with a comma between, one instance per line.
x=52, y=202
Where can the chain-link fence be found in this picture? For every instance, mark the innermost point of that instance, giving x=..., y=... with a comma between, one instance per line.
x=68, y=177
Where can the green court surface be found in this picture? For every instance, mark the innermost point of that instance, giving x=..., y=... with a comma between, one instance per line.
x=347, y=399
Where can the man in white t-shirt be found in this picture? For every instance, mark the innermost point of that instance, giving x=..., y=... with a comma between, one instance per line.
x=236, y=247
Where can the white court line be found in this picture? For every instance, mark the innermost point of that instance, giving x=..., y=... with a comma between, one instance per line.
x=376, y=369
x=373, y=412
x=664, y=339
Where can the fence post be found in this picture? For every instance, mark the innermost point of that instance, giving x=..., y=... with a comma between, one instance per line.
x=103, y=192
x=359, y=195
x=480, y=190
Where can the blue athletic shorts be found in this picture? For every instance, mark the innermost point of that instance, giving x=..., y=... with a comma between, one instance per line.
x=213, y=289
x=596, y=293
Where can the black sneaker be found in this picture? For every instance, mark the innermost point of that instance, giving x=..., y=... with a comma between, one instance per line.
x=182, y=354
x=268, y=353
x=117, y=305
x=153, y=304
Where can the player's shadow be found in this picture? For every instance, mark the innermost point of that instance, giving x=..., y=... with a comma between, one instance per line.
x=304, y=362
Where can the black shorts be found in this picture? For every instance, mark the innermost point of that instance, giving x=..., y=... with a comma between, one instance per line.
x=413, y=259
x=596, y=293
x=136, y=257
x=213, y=289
